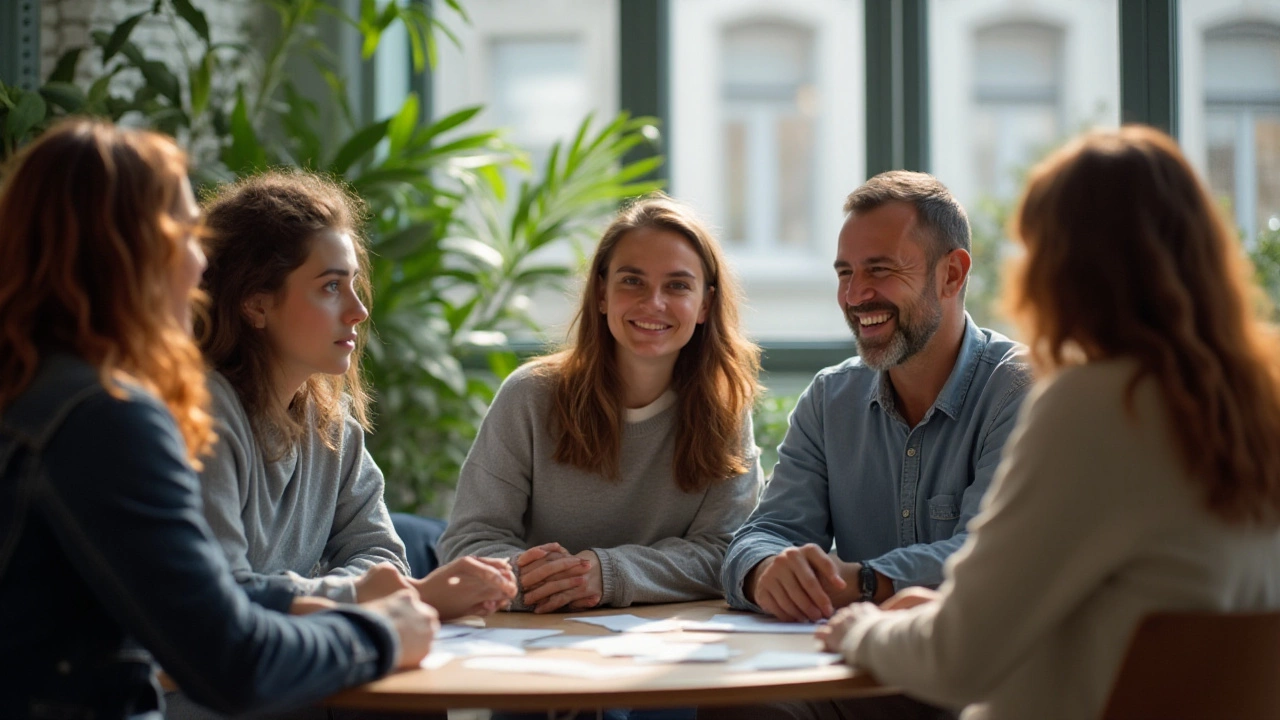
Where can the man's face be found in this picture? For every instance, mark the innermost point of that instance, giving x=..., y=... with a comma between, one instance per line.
x=888, y=291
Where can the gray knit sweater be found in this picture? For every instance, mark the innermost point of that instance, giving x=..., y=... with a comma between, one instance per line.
x=314, y=520
x=656, y=543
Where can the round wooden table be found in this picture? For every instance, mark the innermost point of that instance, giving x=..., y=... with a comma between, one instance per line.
x=671, y=685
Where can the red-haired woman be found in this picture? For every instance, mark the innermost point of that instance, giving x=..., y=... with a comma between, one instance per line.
x=105, y=559
x=1144, y=474
x=615, y=472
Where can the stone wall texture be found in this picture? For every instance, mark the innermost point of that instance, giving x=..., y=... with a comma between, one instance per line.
x=66, y=24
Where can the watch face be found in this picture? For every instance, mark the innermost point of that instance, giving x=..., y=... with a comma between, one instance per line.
x=867, y=583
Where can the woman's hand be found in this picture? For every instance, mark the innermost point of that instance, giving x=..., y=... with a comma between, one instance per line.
x=909, y=598
x=307, y=604
x=416, y=624
x=578, y=588
x=380, y=581
x=546, y=562
x=468, y=586
x=832, y=634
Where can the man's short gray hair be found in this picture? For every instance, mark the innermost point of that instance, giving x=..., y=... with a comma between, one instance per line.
x=941, y=218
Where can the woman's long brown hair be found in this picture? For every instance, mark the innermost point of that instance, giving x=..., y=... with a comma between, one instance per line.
x=89, y=241
x=1128, y=256
x=260, y=230
x=715, y=374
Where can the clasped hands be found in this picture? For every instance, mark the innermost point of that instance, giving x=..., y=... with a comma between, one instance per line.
x=552, y=578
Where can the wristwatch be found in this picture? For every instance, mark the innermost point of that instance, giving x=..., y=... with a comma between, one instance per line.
x=868, y=583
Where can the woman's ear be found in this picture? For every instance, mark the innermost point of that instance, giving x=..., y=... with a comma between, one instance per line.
x=706, y=303
x=255, y=310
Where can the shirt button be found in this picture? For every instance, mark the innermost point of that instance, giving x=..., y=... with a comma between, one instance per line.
x=906, y=513
x=911, y=452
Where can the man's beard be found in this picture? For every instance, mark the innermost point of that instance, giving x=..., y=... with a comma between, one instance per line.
x=912, y=332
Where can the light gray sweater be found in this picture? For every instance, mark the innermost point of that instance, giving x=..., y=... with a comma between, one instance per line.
x=655, y=542
x=314, y=520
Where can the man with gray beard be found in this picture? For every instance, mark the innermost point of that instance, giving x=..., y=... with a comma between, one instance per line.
x=887, y=454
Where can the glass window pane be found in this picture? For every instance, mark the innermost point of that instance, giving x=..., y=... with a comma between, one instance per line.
x=538, y=67
x=539, y=88
x=1231, y=105
x=767, y=135
x=1010, y=80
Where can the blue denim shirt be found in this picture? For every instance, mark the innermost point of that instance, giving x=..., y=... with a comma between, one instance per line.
x=106, y=562
x=898, y=498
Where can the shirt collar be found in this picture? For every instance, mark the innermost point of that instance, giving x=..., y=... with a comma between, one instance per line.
x=951, y=398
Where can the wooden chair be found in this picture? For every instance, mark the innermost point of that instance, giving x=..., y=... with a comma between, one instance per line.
x=1200, y=666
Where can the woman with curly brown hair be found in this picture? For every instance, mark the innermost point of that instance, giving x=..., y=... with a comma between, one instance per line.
x=1144, y=474
x=106, y=564
x=291, y=491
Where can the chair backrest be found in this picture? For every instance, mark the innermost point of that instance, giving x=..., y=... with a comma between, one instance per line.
x=1193, y=666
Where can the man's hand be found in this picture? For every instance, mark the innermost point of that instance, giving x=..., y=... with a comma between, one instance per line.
x=416, y=624
x=797, y=584
x=380, y=581
x=468, y=586
x=577, y=590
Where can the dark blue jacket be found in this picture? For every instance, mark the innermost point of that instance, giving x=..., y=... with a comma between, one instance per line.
x=106, y=563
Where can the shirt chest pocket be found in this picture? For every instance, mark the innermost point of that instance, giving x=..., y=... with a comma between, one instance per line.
x=944, y=512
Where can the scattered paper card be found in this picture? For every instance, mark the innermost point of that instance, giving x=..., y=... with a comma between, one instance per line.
x=448, y=631
x=752, y=624
x=513, y=636
x=629, y=623
x=553, y=666
x=779, y=660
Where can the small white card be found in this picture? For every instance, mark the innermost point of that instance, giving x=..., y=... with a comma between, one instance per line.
x=553, y=666
x=629, y=623
x=753, y=624
x=779, y=660
x=448, y=632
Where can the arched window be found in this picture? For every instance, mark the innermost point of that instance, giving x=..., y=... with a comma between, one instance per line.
x=1017, y=101
x=770, y=100
x=1242, y=121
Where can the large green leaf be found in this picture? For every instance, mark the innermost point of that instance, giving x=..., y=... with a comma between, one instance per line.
x=245, y=153
x=402, y=125
x=195, y=18
x=28, y=112
x=120, y=35
x=357, y=146
x=65, y=69
x=65, y=95
x=201, y=81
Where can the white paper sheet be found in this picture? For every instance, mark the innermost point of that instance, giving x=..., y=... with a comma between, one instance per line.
x=448, y=632
x=553, y=666
x=482, y=642
x=779, y=660
x=629, y=623
x=752, y=624
x=644, y=648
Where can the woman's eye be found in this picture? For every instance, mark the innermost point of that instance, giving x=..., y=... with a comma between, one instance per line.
x=683, y=287
x=331, y=286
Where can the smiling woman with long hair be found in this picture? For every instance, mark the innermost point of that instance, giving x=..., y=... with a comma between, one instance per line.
x=105, y=560
x=1144, y=474
x=615, y=472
